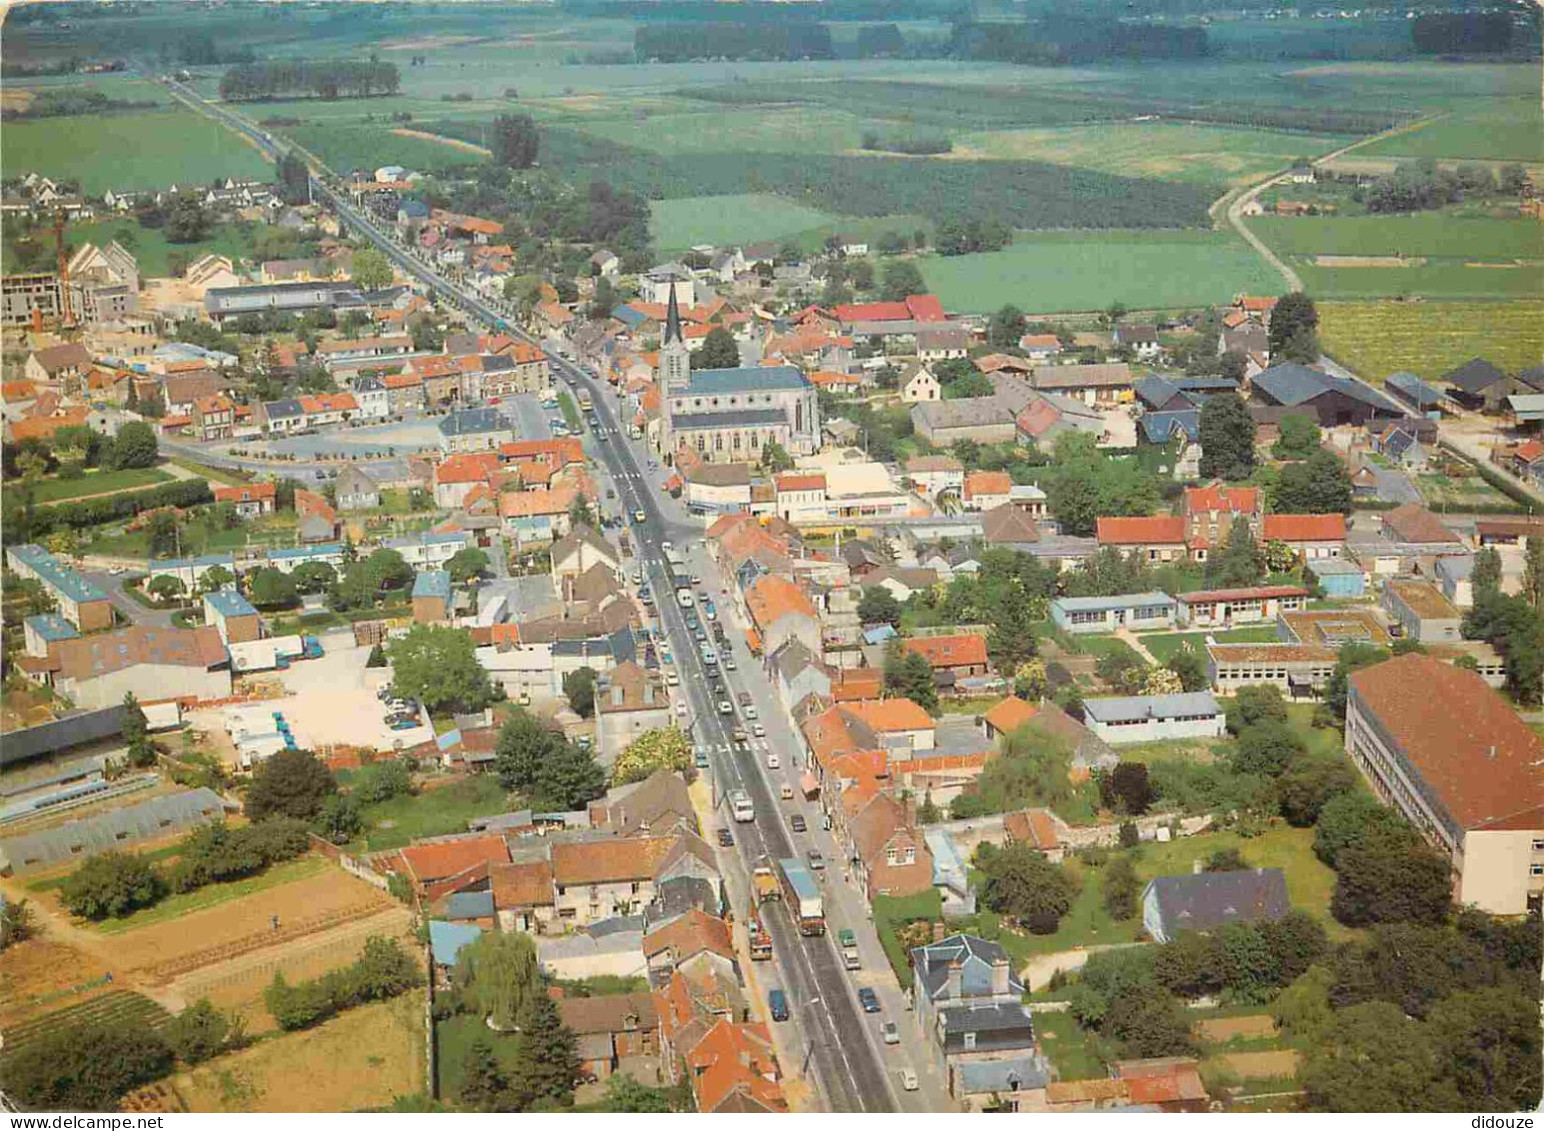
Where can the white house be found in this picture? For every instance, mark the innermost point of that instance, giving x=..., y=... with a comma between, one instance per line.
x=1151, y=718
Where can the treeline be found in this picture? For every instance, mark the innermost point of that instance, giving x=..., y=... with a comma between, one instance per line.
x=970, y=235
x=912, y=146
x=302, y=78
x=383, y=971
x=1462, y=33
x=711, y=11
x=683, y=42
x=1071, y=40
x=24, y=524
x=69, y=103
x=1422, y=185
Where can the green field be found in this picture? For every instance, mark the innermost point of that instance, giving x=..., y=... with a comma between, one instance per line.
x=1430, y=234
x=1447, y=281
x=152, y=249
x=1431, y=338
x=436, y=812
x=1169, y=151
x=1163, y=645
x=742, y=219
x=1501, y=129
x=97, y=483
x=346, y=147
x=1059, y=271
x=130, y=151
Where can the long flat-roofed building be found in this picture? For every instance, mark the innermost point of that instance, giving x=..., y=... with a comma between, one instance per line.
x=81, y=602
x=1451, y=755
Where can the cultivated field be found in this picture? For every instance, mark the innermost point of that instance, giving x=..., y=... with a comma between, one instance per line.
x=1502, y=129
x=130, y=151
x=42, y=974
x=1429, y=234
x=116, y=1007
x=360, y=1059
x=1431, y=338
x=1058, y=271
x=746, y=218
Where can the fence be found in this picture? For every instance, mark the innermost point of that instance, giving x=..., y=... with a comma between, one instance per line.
x=350, y=864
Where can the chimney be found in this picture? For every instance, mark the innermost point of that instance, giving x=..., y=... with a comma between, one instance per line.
x=1000, y=976
x=952, y=985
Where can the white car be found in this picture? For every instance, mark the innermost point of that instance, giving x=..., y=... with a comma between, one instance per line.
x=725, y=707
x=761, y=732
x=909, y=1079
x=774, y=762
x=639, y=516
x=672, y=679
x=680, y=708
x=750, y=711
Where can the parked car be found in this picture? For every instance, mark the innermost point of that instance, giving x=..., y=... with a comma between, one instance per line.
x=817, y=862
x=777, y=1001
x=726, y=838
x=868, y=999
x=774, y=762
x=729, y=663
x=725, y=707
x=909, y=1079
x=796, y=823
x=891, y=1034
x=639, y=516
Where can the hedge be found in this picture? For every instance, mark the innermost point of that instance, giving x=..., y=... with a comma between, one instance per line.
x=111, y=508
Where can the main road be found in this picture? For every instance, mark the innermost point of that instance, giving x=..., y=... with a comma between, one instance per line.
x=839, y=1046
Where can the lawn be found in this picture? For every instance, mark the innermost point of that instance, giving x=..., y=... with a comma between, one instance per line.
x=212, y=895
x=570, y=412
x=738, y=219
x=98, y=483
x=275, y=531
x=1444, y=492
x=1167, y=150
x=151, y=247
x=1063, y=271
x=1163, y=645
x=432, y=812
x=1071, y=1049
x=226, y=475
x=360, y=146
x=453, y=1037
x=131, y=151
x=1431, y=338
x=1432, y=234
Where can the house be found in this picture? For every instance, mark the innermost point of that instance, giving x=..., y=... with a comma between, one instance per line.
x=1480, y=385
x=901, y=582
x=357, y=490
x=692, y=940
x=986, y=420
x=232, y=616
x=630, y=701
x=1102, y=384
x=932, y=475
x=1039, y=829
x=781, y=611
x=431, y=597
x=474, y=430
x=594, y=880
x=1453, y=756
x=898, y=725
x=970, y=1014
x=1205, y=901
x=610, y=1029
x=733, y=1069
x=1153, y=609
x=1140, y=339
x=214, y=418
x=434, y=867
x=985, y=490
x=953, y=656
x=605, y=264
x=581, y=550
x=1152, y=718
x=920, y=386
x=798, y=674
x=1417, y=532
x=250, y=499
x=1421, y=611
x=1038, y=349
x=1224, y=608
x=656, y=806
x=62, y=364
x=153, y=663
x=888, y=853
x=522, y=895
x=536, y=517
x=80, y=601
x=1330, y=399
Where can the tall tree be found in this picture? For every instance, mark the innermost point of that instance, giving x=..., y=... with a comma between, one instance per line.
x=901, y=278
x=484, y=1086
x=1005, y=328
x=1319, y=485
x=371, y=270
x=136, y=733
x=1486, y=576
x=498, y=976
x=579, y=686
x=1227, y=434
x=1011, y=640
x=1533, y=572
x=1239, y=562
x=292, y=783
x=547, y=1059
x=1374, y=1058
x=437, y=665
x=879, y=606
x=908, y=674
x=516, y=141
x=718, y=351
x=1022, y=883
x=1294, y=330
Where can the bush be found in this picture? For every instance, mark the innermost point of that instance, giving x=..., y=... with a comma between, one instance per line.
x=113, y=508
x=112, y=885
x=201, y=1031
x=218, y=853
x=86, y=1068
x=384, y=970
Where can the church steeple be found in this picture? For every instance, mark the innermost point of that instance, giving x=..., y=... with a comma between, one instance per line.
x=672, y=319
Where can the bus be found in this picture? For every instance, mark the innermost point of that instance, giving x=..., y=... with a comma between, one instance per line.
x=585, y=404
x=801, y=895
x=740, y=805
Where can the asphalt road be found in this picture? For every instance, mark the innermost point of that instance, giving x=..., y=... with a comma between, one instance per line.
x=850, y=1074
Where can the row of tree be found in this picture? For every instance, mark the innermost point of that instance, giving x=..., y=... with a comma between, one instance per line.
x=309, y=78
x=681, y=42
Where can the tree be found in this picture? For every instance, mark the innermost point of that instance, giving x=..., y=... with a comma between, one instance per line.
x=272, y=588
x=879, y=606
x=1374, y=1058
x=524, y=744
x=1298, y=439
x=85, y=1068
x=579, y=687
x=1011, y=639
x=1487, y=1043
x=1005, y=328
x=1293, y=332
x=166, y=587
x=18, y=922
x=570, y=779
x=136, y=733
x=1129, y=789
x=111, y=886
x=667, y=748
x=908, y=674
x=200, y=1031
x=497, y=975
x=900, y=279
x=546, y=1058
x=1121, y=886
x=718, y=351
x=315, y=577
x=1353, y=820
x=163, y=533
x=1021, y=883
x=464, y=565
x=1031, y=680
x=371, y=270
x=1267, y=748
x=135, y=446
x=215, y=578
x=187, y=221
x=1352, y=657
x=1486, y=575
x=580, y=512
x=1227, y=434
x=1309, y=784
x=294, y=180
x=437, y=665
x=1319, y=485
x=1190, y=667
x=515, y=141
x=292, y=783
x=484, y=1087
x=1239, y=563
x=1533, y=572
x=775, y=457
x=1388, y=880
x=340, y=820
x=1162, y=681
x=623, y=1093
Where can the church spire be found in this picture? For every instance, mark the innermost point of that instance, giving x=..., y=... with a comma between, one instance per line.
x=672, y=319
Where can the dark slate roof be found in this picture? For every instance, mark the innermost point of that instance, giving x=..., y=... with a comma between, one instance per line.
x=470, y=421
x=976, y=956
x=1475, y=375
x=1291, y=384
x=744, y=378
x=1398, y=443
x=1155, y=392
x=469, y=905
x=1533, y=378
x=1159, y=427
x=735, y=418
x=1411, y=388
x=283, y=408
x=998, y=1026
x=678, y=895
x=1211, y=899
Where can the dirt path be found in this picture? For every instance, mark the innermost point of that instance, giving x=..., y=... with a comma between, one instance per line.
x=453, y=142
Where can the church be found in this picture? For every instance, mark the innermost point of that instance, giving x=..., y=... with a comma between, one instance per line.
x=730, y=415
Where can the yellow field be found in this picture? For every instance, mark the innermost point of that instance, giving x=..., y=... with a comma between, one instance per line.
x=1431, y=338
x=359, y=1059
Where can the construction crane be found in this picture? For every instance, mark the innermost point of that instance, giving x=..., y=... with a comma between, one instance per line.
x=66, y=304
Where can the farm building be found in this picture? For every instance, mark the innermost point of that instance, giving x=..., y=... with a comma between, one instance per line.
x=1479, y=384
x=1410, y=390
x=986, y=420
x=1151, y=718
x=1105, y=614
x=154, y=819
x=1331, y=400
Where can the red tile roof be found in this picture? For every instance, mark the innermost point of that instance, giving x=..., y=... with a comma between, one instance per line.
x=609, y=861
x=1217, y=497
x=521, y=885
x=690, y=934
x=1007, y=715
x=1155, y=531
x=771, y=598
x=915, y=308
x=437, y=860
x=247, y=493
x=467, y=467
x=1305, y=527
x=797, y=481
x=888, y=715
x=951, y=651
x=987, y=483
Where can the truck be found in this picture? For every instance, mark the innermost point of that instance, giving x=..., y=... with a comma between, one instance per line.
x=740, y=804
x=849, y=944
x=760, y=940
x=802, y=895
x=765, y=884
